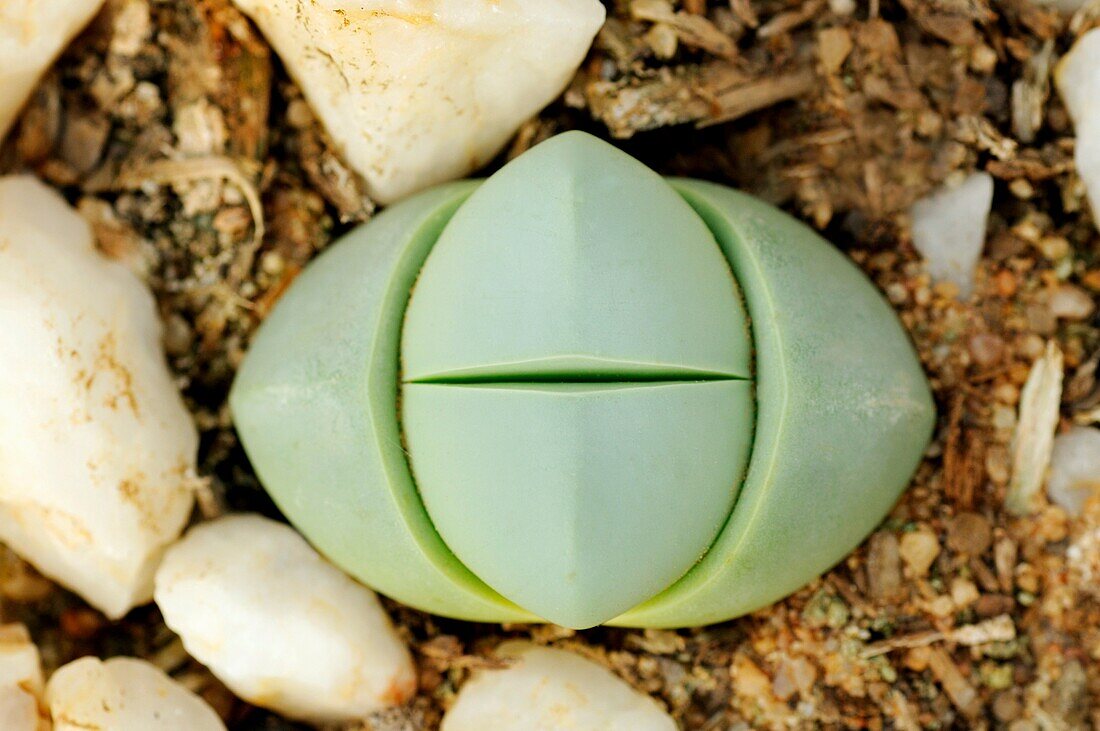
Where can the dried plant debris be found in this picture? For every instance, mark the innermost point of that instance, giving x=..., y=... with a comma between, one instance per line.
x=174, y=130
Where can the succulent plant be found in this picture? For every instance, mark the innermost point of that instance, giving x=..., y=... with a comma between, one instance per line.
x=579, y=392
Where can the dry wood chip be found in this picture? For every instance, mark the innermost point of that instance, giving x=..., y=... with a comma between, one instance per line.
x=833, y=47
x=1033, y=441
x=998, y=629
x=788, y=21
x=745, y=13
x=740, y=100
x=1030, y=93
x=666, y=100
x=694, y=30
x=954, y=29
x=962, y=694
x=971, y=129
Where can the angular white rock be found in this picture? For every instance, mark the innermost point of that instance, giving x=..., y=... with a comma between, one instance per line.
x=32, y=34
x=547, y=689
x=20, y=681
x=279, y=625
x=949, y=230
x=97, y=451
x=124, y=694
x=1075, y=468
x=1078, y=80
x=417, y=93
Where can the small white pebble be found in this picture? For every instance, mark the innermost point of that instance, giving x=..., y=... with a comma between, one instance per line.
x=949, y=230
x=842, y=7
x=98, y=451
x=420, y=93
x=547, y=689
x=1071, y=303
x=124, y=694
x=20, y=681
x=1075, y=468
x=279, y=625
x=32, y=34
x=1078, y=80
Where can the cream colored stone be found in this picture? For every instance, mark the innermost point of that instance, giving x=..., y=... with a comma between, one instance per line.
x=1078, y=80
x=546, y=690
x=124, y=694
x=279, y=625
x=98, y=457
x=32, y=34
x=20, y=681
x=418, y=92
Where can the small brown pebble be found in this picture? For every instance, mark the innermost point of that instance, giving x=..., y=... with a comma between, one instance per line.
x=81, y=623
x=884, y=566
x=1004, y=558
x=1005, y=282
x=1007, y=706
x=19, y=582
x=963, y=592
x=969, y=534
x=986, y=349
x=1091, y=279
x=917, y=659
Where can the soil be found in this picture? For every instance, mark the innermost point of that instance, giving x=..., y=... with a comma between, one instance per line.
x=172, y=127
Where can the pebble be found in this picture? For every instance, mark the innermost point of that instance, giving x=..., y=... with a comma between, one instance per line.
x=280, y=626
x=1077, y=77
x=919, y=550
x=416, y=93
x=98, y=463
x=949, y=229
x=1071, y=303
x=1075, y=468
x=969, y=534
x=964, y=592
x=986, y=349
x=20, y=681
x=124, y=694
x=545, y=689
x=32, y=35
x=884, y=566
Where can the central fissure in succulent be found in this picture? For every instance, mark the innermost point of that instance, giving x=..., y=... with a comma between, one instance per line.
x=581, y=378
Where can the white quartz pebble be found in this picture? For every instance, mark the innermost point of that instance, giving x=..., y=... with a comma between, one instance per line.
x=32, y=34
x=1078, y=81
x=279, y=625
x=417, y=93
x=97, y=451
x=949, y=230
x=20, y=681
x=1075, y=468
x=546, y=690
x=124, y=694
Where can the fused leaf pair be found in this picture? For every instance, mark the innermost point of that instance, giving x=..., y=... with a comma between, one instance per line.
x=581, y=393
